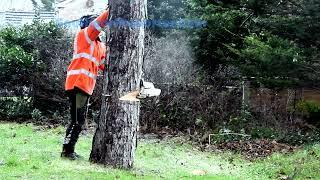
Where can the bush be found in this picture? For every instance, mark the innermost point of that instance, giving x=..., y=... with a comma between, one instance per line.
x=37, y=115
x=190, y=108
x=300, y=137
x=33, y=62
x=263, y=132
x=15, y=66
x=311, y=111
x=239, y=123
x=15, y=107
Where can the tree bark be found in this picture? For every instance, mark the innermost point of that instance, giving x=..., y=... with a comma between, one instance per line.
x=115, y=138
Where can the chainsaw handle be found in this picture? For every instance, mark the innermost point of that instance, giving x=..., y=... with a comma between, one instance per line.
x=141, y=83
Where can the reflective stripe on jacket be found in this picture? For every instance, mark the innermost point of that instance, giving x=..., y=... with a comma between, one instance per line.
x=88, y=56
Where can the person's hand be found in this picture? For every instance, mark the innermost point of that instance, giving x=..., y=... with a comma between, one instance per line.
x=107, y=7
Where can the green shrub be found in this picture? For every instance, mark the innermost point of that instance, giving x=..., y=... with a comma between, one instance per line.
x=263, y=132
x=299, y=137
x=15, y=66
x=14, y=107
x=308, y=107
x=33, y=61
x=240, y=122
x=36, y=115
x=310, y=110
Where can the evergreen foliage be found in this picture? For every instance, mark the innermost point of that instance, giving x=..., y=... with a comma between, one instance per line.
x=275, y=42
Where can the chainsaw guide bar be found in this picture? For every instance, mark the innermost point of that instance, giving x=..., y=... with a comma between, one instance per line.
x=132, y=96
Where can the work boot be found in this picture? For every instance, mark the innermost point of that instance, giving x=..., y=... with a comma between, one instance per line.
x=71, y=156
x=68, y=152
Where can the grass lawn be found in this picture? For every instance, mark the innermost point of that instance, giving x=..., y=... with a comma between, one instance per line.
x=27, y=152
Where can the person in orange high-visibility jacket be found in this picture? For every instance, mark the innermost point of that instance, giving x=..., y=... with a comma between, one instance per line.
x=88, y=57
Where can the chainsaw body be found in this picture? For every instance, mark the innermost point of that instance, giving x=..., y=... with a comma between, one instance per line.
x=147, y=89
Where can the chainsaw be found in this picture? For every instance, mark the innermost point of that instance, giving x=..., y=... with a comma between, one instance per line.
x=146, y=89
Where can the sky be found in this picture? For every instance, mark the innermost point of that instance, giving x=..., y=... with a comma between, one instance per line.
x=67, y=9
x=19, y=5
x=74, y=9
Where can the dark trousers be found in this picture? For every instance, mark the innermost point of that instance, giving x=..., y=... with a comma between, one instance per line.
x=78, y=105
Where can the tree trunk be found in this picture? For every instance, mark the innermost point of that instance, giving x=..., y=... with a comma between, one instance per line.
x=115, y=138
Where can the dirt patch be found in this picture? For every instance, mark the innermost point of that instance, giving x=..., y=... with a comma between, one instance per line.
x=249, y=149
x=253, y=149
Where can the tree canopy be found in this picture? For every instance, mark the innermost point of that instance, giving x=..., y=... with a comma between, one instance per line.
x=273, y=43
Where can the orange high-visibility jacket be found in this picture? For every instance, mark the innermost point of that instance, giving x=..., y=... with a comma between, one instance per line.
x=88, y=56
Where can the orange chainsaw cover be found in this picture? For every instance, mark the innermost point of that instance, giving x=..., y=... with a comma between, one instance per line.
x=88, y=56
